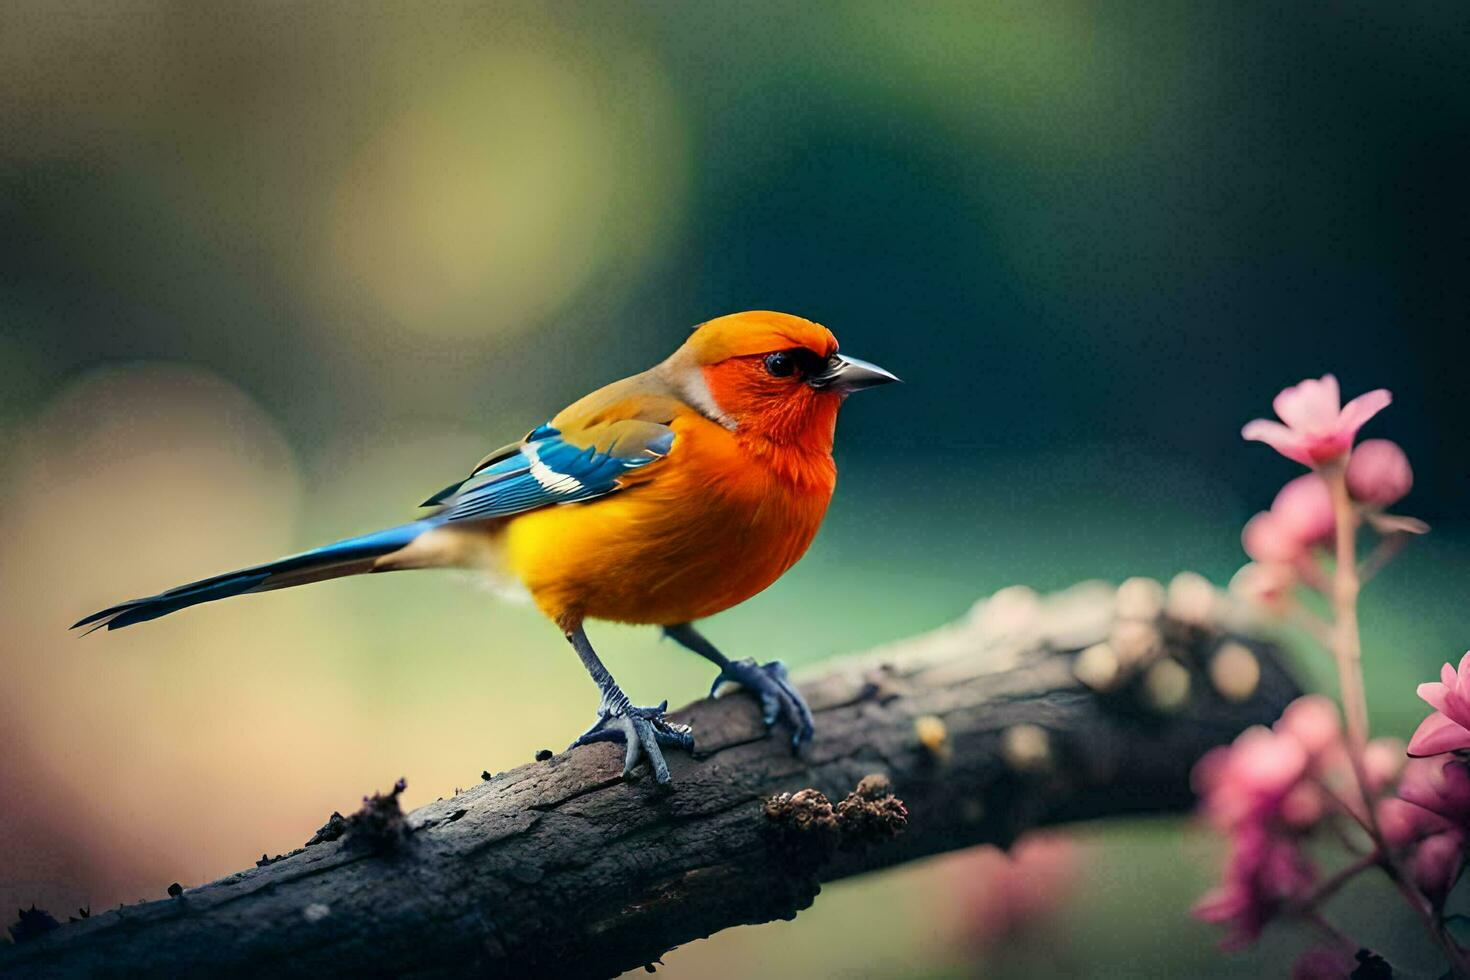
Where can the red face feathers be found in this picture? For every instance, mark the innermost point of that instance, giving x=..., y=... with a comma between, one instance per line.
x=759, y=369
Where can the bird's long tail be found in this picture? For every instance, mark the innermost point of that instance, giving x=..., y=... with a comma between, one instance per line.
x=352, y=556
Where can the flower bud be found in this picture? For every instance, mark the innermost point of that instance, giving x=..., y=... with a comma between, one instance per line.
x=1437, y=863
x=1313, y=721
x=1403, y=823
x=1379, y=473
x=1383, y=760
x=1304, y=509
x=1266, y=585
x=1266, y=538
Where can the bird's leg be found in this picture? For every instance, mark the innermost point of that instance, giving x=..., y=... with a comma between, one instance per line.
x=778, y=697
x=642, y=730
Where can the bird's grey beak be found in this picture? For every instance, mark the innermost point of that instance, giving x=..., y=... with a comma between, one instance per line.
x=848, y=374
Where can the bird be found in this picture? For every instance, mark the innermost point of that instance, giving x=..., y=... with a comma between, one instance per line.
x=660, y=499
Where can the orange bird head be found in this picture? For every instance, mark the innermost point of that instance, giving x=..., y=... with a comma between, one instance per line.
x=775, y=376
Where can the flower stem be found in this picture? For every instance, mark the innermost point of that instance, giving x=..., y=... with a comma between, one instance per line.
x=1306, y=620
x=1310, y=569
x=1424, y=908
x=1352, y=813
x=1345, y=874
x=1388, y=546
x=1346, y=644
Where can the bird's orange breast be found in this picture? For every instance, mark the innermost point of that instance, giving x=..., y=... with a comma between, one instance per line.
x=708, y=527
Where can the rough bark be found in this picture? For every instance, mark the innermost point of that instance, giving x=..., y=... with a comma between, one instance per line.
x=562, y=868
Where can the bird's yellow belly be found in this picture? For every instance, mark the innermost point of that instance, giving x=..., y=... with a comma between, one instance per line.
x=661, y=552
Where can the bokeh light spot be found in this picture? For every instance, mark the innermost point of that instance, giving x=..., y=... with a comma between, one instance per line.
x=512, y=179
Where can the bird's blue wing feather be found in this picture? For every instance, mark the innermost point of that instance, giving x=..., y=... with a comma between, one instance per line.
x=550, y=468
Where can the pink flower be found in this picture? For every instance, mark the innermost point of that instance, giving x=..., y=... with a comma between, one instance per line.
x=1379, y=473
x=1233, y=904
x=1249, y=779
x=1300, y=517
x=1303, y=808
x=1265, y=790
x=1439, y=786
x=1437, y=863
x=1432, y=813
x=1403, y=823
x=1448, y=728
x=1262, y=777
x=1263, y=875
x=1236, y=905
x=1318, y=427
x=1313, y=722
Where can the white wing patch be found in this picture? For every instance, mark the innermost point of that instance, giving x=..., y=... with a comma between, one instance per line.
x=551, y=481
x=546, y=470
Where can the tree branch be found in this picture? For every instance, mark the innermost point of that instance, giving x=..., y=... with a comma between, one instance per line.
x=562, y=868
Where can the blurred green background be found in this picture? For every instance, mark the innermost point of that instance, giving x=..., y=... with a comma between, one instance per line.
x=272, y=272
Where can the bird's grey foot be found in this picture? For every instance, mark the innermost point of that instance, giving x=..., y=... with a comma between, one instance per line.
x=779, y=699
x=642, y=730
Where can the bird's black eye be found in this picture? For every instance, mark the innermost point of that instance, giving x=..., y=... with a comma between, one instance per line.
x=780, y=364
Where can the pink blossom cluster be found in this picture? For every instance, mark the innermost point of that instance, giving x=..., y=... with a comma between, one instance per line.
x=1273, y=788
x=1317, y=431
x=1431, y=813
x=1299, y=520
x=1267, y=792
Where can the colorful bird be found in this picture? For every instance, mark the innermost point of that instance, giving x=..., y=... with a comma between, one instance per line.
x=660, y=499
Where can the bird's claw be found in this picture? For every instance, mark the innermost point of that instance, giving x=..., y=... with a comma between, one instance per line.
x=642, y=730
x=779, y=699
